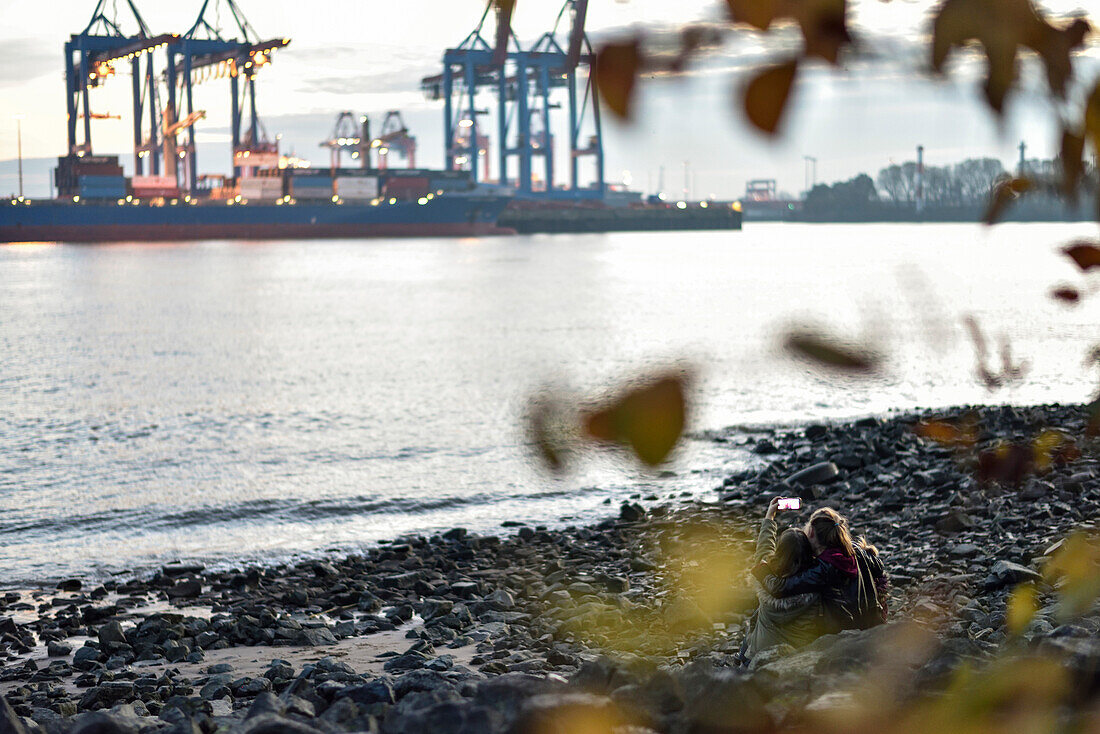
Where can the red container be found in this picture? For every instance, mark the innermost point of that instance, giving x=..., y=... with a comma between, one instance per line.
x=407, y=188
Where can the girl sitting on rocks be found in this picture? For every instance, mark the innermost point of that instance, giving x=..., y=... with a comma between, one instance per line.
x=795, y=620
x=848, y=575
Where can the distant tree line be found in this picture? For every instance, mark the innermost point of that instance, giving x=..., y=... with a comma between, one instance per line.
x=959, y=191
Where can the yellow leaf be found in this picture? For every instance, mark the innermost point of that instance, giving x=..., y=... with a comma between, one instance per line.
x=1021, y=607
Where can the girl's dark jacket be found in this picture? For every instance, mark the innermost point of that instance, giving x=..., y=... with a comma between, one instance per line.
x=853, y=590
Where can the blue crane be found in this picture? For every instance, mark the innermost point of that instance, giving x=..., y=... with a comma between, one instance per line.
x=203, y=49
x=524, y=82
x=90, y=58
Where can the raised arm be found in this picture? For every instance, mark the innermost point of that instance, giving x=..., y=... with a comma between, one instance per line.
x=813, y=580
x=765, y=541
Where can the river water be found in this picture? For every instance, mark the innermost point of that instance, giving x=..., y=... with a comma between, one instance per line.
x=225, y=401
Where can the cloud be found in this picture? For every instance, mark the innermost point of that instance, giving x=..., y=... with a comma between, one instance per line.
x=399, y=80
x=24, y=59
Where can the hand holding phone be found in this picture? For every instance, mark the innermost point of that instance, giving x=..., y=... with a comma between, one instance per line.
x=790, y=503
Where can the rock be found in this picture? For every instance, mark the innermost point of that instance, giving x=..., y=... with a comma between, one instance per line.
x=377, y=691
x=270, y=724
x=69, y=585
x=266, y=703
x=9, y=720
x=820, y=473
x=58, y=649
x=103, y=722
x=683, y=614
x=188, y=589
x=111, y=632
x=764, y=446
x=501, y=599
x=815, y=431
x=1006, y=573
x=631, y=512
x=434, y=608
x=182, y=569
x=614, y=584
x=719, y=699
x=954, y=521
x=315, y=637
x=964, y=550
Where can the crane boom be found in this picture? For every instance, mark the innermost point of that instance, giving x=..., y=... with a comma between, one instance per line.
x=576, y=34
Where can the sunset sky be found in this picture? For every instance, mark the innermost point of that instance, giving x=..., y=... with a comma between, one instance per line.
x=368, y=57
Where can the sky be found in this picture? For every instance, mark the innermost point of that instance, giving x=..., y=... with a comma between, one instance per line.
x=368, y=57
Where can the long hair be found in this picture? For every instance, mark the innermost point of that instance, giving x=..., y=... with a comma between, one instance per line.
x=793, y=553
x=831, y=530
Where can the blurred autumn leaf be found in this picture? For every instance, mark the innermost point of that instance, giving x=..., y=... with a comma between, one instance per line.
x=648, y=419
x=1073, y=162
x=1085, y=253
x=823, y=23
x=828, y=352
x=1020, y=608
x=964, y=434
x=617, y=66
x=1004, y=193
x=1003, y=28
x=1066, y=294
x=766, y=96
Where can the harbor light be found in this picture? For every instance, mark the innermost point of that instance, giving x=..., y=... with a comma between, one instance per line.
x=187, y=198
x=121, y=202
x=135, y=202
x=422, y=201
x=736, y=206
x=393, y=200
x=335, y=199
x=76, y=199
x=703, y=204
x=129, y=198
x=237, y=198
x=466, y=123
x=681, y=205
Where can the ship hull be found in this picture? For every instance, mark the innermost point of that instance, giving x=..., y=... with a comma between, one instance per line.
x=61, y=221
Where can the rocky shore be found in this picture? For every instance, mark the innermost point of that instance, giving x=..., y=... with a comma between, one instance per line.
x=628, y=626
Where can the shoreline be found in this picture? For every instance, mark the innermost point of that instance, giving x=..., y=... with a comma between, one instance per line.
x=468, y=628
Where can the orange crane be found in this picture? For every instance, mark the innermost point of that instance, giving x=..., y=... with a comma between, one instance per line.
x=394, y=135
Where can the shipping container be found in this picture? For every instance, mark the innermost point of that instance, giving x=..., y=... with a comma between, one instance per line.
x=99, y=187
x=450, y=184
x=311, y=188
x=407, y=188
x=357, y=188
x=261, y=188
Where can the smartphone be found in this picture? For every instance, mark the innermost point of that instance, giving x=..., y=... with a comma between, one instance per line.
x=790, y=503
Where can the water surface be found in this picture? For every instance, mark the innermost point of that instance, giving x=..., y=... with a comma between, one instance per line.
x=228, y=400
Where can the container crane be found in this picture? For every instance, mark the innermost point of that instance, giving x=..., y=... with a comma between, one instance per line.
x=90, y=59
x=347, y=134
x=205, y=50
x=394, y=135
x=524, y=82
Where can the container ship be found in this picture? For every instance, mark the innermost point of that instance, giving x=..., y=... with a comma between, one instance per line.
x=269, y=196
x=99, y=204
